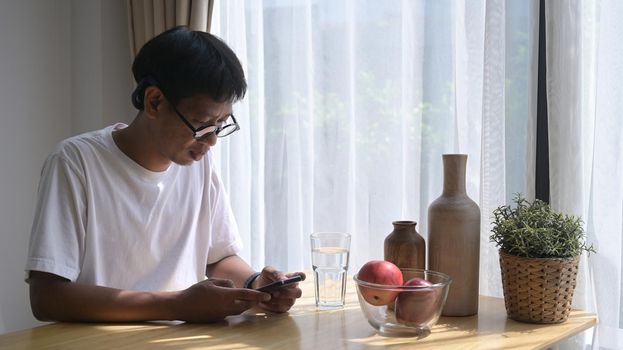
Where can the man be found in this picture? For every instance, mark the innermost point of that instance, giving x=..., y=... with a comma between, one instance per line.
x=131, y=219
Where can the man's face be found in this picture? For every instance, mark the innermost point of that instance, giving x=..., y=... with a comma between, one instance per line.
x=176, y=141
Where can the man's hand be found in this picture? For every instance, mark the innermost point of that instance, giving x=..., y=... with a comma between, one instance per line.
x=233, y=267
x=214, y=299
x=282, y=298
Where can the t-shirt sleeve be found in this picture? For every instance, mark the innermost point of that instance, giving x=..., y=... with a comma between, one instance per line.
x=57, y=236
x=225, y=239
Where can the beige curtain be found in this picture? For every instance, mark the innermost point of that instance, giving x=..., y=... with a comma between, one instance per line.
x=148, y=18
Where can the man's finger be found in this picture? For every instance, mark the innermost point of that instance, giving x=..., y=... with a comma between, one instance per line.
x=242, y=305
x=272, y=274
x=287, y=293
x=275, y=307
x=292, y=274
x=250, y=295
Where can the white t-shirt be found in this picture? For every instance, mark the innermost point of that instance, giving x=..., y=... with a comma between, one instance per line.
x=104, y=220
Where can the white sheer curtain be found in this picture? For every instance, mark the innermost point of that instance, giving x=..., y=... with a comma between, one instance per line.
x=585, y=100
x=351, y=105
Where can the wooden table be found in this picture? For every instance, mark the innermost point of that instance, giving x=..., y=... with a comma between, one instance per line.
x=304, y=328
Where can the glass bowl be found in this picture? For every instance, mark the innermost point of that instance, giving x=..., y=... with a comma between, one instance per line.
x=404, y=310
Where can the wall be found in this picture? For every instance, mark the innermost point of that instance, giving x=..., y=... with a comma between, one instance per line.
x=63, y=70
x=100, y=69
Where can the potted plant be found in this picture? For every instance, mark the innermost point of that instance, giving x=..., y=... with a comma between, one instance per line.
x=539, y=255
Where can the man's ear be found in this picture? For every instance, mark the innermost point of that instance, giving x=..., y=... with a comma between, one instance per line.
x=153, y=101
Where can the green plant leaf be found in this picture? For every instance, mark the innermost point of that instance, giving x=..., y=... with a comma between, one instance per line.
x=534, y=230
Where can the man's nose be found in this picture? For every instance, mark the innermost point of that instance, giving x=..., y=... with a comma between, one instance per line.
x=209, y=139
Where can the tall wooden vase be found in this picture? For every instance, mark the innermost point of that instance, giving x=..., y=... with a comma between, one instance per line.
x=454, y=238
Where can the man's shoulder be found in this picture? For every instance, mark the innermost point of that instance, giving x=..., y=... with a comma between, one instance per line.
x=87, y=144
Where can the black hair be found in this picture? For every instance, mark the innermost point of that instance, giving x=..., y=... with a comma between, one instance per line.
x=184, y=63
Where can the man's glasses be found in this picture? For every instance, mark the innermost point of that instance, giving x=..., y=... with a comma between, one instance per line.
x=228, y=126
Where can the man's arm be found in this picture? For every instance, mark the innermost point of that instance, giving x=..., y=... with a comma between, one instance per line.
x=54, y=298
x=233, y=268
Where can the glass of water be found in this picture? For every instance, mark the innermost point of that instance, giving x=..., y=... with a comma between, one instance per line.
x=330, y=251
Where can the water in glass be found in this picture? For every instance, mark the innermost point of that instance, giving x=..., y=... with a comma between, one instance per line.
x=330, y=265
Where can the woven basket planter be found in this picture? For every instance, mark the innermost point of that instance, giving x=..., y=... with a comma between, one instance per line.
x=538, y=290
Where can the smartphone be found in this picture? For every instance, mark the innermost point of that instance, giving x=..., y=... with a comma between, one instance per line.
x=279, y=284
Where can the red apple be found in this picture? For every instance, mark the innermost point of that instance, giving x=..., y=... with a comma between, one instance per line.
x=419, y=306
x=379, y=272
x=418, y=282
